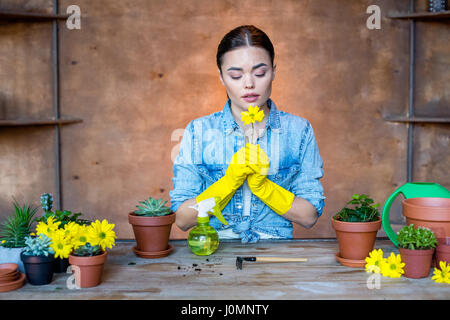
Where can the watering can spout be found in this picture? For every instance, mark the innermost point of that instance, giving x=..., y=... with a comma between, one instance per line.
x=411, y=190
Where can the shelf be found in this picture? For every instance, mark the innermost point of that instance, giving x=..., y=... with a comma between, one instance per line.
x=417, y=119
x=37, y=122
x=443, y=15
x=7, y=15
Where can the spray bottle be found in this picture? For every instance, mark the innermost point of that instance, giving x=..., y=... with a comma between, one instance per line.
x=203, y=239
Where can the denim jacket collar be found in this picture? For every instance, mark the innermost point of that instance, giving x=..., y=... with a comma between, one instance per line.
x=230, y=124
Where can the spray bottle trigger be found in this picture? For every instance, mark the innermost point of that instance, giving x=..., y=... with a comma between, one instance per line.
x=216, y=211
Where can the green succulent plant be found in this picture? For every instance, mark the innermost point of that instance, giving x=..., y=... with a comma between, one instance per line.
x=420, y=238
x=15, y=229
x=38, y=246
x=87, y=250
x=364, y=210
x=152, y=208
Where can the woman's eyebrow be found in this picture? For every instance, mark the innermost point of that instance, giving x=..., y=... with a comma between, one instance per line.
x=254, y=67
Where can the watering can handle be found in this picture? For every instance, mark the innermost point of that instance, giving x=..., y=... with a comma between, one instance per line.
x=385, y=217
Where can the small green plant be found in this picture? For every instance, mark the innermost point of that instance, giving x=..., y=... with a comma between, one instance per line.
x=87, y=250
x=420, y=238
x=364, y=210
x=38, y=246
x=152, y=208
x=64, y=216
x=15, y=229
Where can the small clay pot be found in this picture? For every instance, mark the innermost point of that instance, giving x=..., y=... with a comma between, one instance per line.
x=38, y=269
x=151, y=233
x=356, y=239
x=442, y=253
x=88, y=270
x=60, y=265
x=417, y=262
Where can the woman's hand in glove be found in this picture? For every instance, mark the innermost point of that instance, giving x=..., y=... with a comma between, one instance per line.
x=275, y=197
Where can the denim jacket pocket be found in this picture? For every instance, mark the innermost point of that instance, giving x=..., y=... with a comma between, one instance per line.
x=211, y=173
x=284, y=176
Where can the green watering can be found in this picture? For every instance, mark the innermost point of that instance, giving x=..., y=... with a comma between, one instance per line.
x=411, y=190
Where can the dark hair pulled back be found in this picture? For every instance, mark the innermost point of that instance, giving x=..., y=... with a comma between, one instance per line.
x=247, y=35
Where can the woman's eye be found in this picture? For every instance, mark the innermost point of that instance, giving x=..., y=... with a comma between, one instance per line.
x=235, y=78
x=260, y=75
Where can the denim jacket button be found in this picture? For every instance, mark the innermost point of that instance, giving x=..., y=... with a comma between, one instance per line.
x=239, y=206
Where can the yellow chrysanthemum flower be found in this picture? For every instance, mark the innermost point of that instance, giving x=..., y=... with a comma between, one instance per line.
x=48, y=228
x=252, y=115
x=80, y=237
x=392, y=266
x=374, y=261
x=101, y=233
x=70, y=230
x=443, y=275
x=61, y=244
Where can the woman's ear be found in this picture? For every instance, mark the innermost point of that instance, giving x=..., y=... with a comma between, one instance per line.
x=220, y=76
x=273, y=71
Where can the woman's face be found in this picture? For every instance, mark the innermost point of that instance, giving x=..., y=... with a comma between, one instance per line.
x=247, y=70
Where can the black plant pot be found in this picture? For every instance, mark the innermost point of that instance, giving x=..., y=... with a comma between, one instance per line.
x=60, y=265
x=39, y=270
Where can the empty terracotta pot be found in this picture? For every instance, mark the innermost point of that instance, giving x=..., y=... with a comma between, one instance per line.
x=356, y=239
x=433, y=213
x=151, y=233
x=417, y=262
x=88, y=270
x=442, y=252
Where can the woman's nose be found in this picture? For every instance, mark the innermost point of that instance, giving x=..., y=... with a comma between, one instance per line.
x=248, y=83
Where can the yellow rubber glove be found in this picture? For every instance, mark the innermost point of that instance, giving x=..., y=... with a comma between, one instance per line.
x=275, y=197
x=234, y=177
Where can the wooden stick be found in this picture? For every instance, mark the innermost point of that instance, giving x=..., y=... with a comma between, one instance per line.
x=279, y=259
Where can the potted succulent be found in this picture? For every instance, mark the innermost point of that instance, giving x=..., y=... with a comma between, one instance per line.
x=13, y=232
x=416, y=246
x=63, y=219
x=89, y=254
x=38, y=260
x=356, y=229
x=151, y=224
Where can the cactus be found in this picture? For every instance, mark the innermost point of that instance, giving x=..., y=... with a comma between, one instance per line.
x=152, y=208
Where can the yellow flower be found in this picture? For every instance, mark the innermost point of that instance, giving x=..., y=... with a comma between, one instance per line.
x=443, y=275
x=374, y=261
x=48, y=228
x=101, y=233
x=393, y=266
x=70, y=230
x=80, y=237
x=253, y=114
x=61, y=244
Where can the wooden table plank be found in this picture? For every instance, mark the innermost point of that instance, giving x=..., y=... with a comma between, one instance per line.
x=182, y=275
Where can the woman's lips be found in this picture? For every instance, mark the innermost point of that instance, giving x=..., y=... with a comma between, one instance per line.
x=250, y=98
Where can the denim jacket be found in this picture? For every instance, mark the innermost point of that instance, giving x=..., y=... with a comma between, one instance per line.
x=206, y=149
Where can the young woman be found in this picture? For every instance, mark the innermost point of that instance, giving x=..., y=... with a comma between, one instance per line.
x=262, y=196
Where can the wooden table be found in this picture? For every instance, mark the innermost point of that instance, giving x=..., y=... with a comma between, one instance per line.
x=183, y=275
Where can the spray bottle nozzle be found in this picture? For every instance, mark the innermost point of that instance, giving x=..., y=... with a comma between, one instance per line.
x=210, y=205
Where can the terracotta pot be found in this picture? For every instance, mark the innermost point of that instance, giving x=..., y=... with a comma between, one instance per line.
x=88, y=270
x=433, y=213
x=151, y=233
x=417, y=262
x=39, y=269
x=356, y=239
x=442, y=252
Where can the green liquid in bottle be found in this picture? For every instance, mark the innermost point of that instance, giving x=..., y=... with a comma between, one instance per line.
x=203, y=239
